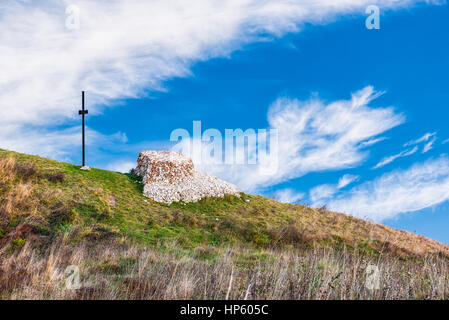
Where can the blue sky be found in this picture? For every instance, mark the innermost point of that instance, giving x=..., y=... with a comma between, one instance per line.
x=234, y=77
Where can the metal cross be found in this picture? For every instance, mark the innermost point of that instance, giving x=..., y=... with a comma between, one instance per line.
x=83, y=112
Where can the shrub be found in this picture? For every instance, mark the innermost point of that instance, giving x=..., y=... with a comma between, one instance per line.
x=25, y=170
x=134, y=176
x=322, y=209
x=65, y=228
x=230, y=197
x=17, y=244
x=61, y=215
x=290, y=234
x=55, y=176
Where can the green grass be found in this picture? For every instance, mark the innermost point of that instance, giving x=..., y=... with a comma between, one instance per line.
x=103, y=205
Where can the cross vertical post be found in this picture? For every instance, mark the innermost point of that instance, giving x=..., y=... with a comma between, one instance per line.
x=83, y=112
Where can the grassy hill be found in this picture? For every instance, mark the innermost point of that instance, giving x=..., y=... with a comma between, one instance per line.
x=52, y=207
x=57, y=198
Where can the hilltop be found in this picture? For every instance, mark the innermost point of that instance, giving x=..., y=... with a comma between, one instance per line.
x=52, y=214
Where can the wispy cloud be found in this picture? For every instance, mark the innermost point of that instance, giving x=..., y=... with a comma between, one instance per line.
x=123, y=166
x=429, y=145
x=429, y=138
x=424, y=138
x=126, y=49
x=314, y=136
x=346, y=180
x=322, y=194
x=373, y=141
x=288, y=196
x=418, y=187
x=390, y=159
x=410, y=152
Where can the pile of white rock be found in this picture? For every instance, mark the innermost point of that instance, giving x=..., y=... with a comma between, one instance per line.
x=170, y=176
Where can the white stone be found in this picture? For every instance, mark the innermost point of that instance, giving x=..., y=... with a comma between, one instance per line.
x=171, y=177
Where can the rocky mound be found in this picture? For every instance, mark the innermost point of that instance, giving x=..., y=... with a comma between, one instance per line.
x=170, y=176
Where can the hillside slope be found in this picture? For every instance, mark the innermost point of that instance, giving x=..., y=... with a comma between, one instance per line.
x=42, y=199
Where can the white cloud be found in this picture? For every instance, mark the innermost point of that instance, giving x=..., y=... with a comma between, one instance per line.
x=410, y=152
x=126, y=49
x=123, y=166
x=313, y=136
x=424, y=138
x=429, y=145
x=288, y=196
x=59, y=144
x=346, y=180
x=387, y=160
x=373, y=141
x=420, y=186
x=321, y=194
x=390, y=159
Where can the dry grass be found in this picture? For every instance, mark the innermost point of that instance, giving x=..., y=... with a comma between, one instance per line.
x=130, y=272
